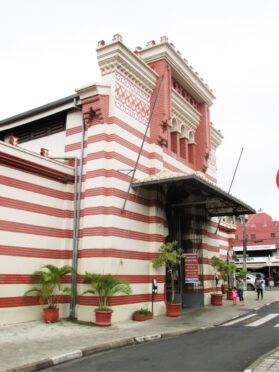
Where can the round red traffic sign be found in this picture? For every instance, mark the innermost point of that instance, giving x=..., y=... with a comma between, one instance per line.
x=277, y=179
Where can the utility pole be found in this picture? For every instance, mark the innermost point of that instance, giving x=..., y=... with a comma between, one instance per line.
x=276, y=237
x=243, y=217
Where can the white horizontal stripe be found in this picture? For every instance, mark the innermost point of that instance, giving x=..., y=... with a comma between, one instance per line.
x=263, y=320
x=238, y=320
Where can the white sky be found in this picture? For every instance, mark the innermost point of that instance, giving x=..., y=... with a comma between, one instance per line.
x=48, y=50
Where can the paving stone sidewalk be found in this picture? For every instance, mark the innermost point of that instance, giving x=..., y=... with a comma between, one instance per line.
x=35, y=345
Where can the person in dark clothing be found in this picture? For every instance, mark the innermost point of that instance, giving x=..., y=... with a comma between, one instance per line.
x=240, y=289
x=259, y=284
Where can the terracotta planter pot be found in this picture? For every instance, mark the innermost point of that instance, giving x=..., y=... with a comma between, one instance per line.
x=103, y=318
x=50, y=315
x=229, y=295
x=216, y=299
x=142, y=317
x=173, y=309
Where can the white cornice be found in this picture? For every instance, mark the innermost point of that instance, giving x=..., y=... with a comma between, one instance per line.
x=117, y=57
x=216, y=136
x=181, y=71
x=184, y=111
x=94, y=89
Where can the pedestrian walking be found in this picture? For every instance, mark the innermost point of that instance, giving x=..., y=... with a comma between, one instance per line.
x=240, y=289
x=235, y=295
x=259, y=284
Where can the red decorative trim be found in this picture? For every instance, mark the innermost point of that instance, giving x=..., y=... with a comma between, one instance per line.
x=8, y=250
x=117, y=253
x=26, y=165
x=36, y=208
x=120, y=233
x=129, y=129
x=26, y=279
x=34, y=229
x=120, y=300
x=120, y=158
x=27, y=186
x=135, y=279
x=123, y=142
x=27, y=301
x=92, y=211
x=111, y=191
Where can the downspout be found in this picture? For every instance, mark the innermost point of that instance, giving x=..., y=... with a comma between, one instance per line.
x=76, y=230
x=76, y=219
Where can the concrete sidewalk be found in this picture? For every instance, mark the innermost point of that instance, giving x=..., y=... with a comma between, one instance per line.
x=35, y=345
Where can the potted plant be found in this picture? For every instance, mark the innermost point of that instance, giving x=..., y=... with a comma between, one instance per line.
x=47, y=289
x=225, y=269
x=142, y=314
x=105, y=286
x=170, y=256
x=217, y=264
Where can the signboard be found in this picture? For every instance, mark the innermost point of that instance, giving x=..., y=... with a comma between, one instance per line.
x=255, y=247
x=191, y=264
x=265, y=259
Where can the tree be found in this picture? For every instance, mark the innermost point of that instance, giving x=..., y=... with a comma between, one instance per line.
x=171, y=257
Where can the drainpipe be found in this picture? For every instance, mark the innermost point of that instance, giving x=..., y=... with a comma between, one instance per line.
x=76, y=230
x=75, y=222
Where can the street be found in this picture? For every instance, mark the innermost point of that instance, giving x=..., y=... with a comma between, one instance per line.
x=232, y=346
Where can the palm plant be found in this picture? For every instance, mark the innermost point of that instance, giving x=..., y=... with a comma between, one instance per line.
x=105, y=286
x=171, y=257
x=49, y=284
x=226, y=269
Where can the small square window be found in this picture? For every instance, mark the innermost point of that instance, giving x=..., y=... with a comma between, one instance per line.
x=253, y=236
x=272, y=235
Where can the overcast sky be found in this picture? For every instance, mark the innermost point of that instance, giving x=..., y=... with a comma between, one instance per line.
x=48, y=50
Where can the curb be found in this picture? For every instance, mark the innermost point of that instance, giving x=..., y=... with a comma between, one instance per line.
x=261, y=359
x=77, y=354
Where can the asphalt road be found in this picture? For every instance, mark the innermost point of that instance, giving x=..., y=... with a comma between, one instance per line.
x=230, y=347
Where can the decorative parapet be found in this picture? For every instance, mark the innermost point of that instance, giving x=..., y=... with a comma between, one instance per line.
x=216, y=136
x=116, y=57
x=181, y=71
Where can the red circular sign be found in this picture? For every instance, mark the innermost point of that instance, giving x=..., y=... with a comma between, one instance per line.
x=277, y=179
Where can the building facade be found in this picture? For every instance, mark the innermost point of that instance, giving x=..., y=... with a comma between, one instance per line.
x=261, y=235
x=102, y=178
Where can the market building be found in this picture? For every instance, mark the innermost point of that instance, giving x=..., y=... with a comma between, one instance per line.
x=260, y=235
x=147, y=176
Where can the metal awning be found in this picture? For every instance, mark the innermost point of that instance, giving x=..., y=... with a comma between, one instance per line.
x=197, y=191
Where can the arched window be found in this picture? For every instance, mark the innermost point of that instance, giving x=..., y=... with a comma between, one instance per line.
x=174, y=135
